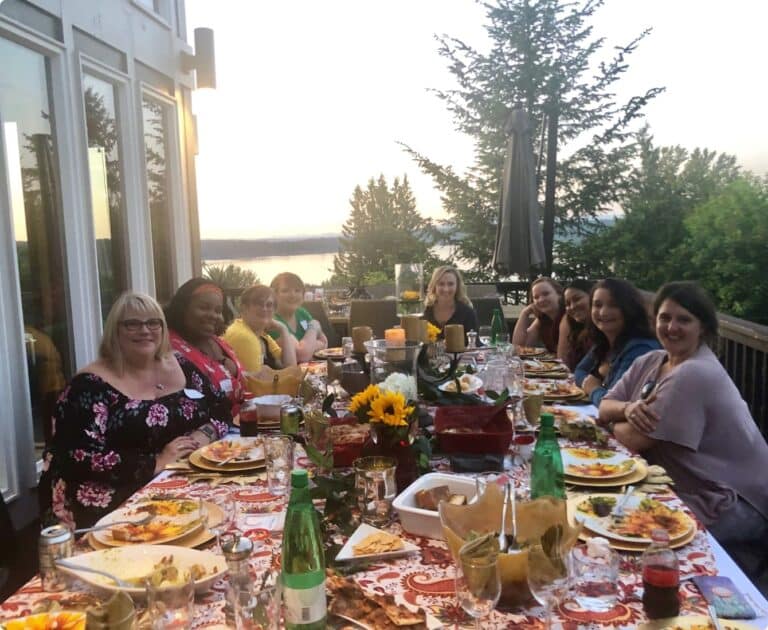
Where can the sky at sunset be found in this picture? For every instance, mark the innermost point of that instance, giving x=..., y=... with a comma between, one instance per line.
x=313, y=97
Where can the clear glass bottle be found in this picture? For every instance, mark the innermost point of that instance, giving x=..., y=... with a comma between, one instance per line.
x=661, y=578
x=547, y=465
x=237, y=552
x=303, y=562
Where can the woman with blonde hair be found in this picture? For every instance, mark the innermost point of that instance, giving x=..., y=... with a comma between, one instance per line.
x=124, y=417
x=447, y=301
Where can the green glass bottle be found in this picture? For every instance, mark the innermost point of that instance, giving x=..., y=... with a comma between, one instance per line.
x=497, y=325
x=547, y=464
x=303, y=562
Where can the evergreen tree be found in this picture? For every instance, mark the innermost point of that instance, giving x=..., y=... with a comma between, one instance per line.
x=543, y=58
x=383, y=229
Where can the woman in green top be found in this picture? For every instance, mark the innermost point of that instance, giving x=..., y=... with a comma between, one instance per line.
x=289, y=291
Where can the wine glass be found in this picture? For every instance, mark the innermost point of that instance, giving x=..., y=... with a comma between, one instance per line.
x=547, y=577
x=478, y=584
x=218, y=524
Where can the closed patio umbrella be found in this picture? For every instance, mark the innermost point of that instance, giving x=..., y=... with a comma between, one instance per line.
x=519, y=242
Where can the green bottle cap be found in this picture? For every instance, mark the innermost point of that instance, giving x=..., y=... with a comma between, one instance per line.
x=547, y=420
x=299, y=478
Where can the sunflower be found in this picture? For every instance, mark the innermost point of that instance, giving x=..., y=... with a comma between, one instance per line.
x=390, y=408
x=432, y=332
x=363, y=399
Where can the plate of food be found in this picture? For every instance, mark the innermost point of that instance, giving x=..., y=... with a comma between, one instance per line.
x=587, y=455
x=334, y=354
x=641, y=516
x=236, y=450
x=562, y=414
x=695, y=622
x=537, y=366
x=526, y=352
x=470, y=384
x=165, y=565
x=597, y=469
x=169, y=519
x=60, y=620
x=368, y=542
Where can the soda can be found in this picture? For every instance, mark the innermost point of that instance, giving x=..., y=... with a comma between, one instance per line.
x=55, y=543
x=290, y=418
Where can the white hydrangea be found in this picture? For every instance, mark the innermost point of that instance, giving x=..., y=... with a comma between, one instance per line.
x=400, y=383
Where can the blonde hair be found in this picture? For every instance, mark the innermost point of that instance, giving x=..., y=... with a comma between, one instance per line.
x=109, y=349
x=461, y=289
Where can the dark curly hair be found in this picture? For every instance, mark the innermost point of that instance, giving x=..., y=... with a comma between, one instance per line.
x=177, y=307
x=634, y=310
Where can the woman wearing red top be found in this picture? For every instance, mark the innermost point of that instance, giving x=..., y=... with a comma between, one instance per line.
x=539, y=322
x=195, y=318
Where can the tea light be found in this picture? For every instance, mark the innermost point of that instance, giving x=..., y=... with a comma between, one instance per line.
x=361, y=334
x=412, y=326
x=395, y=336
x=454, y=338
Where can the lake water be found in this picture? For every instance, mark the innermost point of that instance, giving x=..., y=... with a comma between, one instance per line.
x=311, y=268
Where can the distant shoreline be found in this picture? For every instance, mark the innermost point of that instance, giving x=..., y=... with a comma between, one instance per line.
x=230, y=249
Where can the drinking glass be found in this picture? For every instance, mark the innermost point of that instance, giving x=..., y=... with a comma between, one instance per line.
x=375, y=482
x=319, y=436
x=484, y=335
x=547, y=577
x=216, y=524
x=478, y=584
x=278, y=456
x=594, y=579
x=347, y=346
x=171, y=605
x=354, y=378
x=257, y=605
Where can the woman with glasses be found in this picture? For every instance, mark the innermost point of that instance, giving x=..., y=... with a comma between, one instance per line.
x=289, y=296
x=123, y=418
x=195, y=320
x=249, y=335
x=620, y=330
x=680, y=408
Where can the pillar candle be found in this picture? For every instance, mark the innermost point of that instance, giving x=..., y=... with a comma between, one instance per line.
x=395, y=336
x=412, y=326
x=423, y=335
x=454, y=338
x=361, y=334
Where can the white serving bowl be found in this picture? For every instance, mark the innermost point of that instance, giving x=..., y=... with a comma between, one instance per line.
x=427, y=522
x=268, y=407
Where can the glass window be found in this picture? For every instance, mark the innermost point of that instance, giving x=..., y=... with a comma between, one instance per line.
x=106, y=188
x=155, y=116
x=26, y=116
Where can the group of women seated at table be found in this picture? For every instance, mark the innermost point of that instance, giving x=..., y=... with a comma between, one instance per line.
x=165, y=384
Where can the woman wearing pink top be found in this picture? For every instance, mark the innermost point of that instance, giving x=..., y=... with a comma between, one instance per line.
x=679, y=407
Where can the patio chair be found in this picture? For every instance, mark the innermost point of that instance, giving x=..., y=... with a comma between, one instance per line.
x=317, y=310
x=484, y=308
x=378, y=314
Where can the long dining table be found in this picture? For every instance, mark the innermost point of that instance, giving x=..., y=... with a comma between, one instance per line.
x=423, y=580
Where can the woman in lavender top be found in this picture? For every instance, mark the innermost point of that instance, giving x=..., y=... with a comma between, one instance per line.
x=679, y=407
x=125, y=417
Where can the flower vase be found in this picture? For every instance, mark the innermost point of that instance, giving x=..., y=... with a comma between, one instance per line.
x=395, y=442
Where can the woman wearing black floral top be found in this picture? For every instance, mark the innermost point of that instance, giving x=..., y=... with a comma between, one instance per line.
x=126, y=416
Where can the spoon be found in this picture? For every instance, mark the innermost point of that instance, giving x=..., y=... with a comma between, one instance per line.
x=77, y=567
x=144, y=519
x=503, y=544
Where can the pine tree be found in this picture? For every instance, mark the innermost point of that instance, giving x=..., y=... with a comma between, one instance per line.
x=542, y=58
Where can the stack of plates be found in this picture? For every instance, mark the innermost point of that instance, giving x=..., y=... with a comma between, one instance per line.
x=232, y=454
x=633, y=531
x=601, y=467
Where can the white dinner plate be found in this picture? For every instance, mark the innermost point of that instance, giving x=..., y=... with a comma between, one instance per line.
x=347, y=553
x=248, y=450
x=473, y=383
x=138, y=561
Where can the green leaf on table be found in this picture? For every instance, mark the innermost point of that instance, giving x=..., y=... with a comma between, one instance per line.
x=319, y=459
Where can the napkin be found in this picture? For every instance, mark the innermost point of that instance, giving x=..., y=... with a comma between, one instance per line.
x=268, y=381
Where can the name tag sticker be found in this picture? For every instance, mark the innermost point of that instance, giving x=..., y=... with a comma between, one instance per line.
x=193, y=394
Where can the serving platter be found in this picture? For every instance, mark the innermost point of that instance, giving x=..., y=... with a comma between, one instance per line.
x=134, y=563
x=363, y=531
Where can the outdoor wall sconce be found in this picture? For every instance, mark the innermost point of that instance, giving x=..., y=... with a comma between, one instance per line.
x=204, y=59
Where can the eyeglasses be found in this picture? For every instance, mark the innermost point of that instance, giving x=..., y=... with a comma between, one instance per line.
x=135, y=325
x=647, y=389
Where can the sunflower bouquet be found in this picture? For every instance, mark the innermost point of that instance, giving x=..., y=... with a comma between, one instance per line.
x=432, y=332
x=386, y=403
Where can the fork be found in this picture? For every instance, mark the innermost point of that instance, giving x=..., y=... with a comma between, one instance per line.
x=95, y=528
x=618, y=510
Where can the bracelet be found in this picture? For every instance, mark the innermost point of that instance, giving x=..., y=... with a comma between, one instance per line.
x=208, y=431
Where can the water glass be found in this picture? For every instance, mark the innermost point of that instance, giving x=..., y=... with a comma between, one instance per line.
x=478, y=584
x=171, y=606
x=347, y=346
x=484, y=335
x=319, y=432
x=257, y=605
x=547, y=577
x=354, y=378
x=377, y=488
x=278, y=451
x=219, y=524
x=594, y=580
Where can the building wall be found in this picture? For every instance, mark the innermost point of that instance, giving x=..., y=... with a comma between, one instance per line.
x=79, y=204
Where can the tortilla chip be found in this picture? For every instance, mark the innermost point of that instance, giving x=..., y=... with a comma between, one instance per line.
x=380, y=542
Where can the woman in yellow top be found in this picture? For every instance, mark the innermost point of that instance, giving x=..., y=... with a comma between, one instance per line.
x=249, y=334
